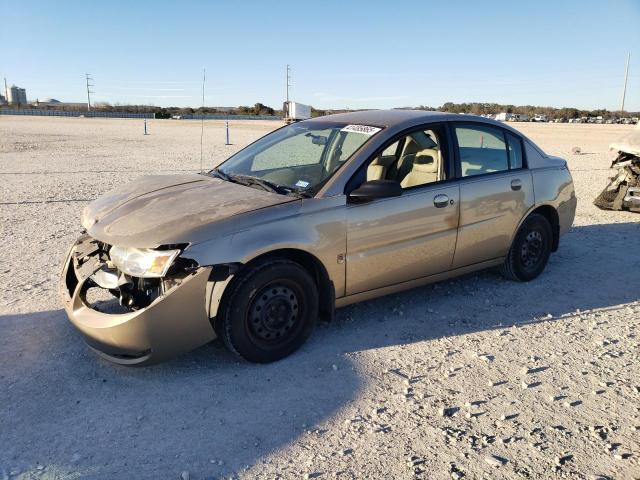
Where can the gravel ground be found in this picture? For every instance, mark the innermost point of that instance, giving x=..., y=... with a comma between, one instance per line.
x=472, y=378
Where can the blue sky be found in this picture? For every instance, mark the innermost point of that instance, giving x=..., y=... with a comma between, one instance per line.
x=370, y=54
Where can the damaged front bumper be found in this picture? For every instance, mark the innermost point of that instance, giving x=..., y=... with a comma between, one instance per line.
x=174, y=321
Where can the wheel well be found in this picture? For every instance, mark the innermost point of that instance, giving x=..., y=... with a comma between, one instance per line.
x=326, y=291
x=551, y=214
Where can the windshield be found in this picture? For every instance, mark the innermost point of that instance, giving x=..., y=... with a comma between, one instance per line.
x=298, y=158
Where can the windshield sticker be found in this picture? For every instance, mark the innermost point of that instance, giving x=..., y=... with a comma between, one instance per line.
x=364, y=129
x=302, y=184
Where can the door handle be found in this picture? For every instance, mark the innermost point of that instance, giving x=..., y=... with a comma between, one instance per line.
x=441, y=200
x=516, y=184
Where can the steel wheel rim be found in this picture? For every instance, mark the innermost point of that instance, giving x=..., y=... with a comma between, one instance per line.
x=532, y=249
x=274, y=314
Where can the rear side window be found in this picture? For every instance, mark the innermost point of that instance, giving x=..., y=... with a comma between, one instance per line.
x=482, y=150
x=515, y=151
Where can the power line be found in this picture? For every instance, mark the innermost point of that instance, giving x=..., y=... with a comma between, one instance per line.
x=89, y=92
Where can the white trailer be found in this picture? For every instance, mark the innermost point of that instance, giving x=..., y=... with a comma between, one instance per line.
x=294, y=111
x=512, y=117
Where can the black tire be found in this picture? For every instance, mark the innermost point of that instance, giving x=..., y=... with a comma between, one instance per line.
x=270, y=311
x=530, y=250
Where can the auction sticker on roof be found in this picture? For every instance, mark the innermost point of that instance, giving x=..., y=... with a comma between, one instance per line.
x=365, y=129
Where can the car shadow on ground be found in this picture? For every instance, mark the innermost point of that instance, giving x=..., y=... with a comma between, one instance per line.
x=72, y=413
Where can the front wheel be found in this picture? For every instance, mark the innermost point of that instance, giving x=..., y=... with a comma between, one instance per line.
x=530, y=250
x=270, y=311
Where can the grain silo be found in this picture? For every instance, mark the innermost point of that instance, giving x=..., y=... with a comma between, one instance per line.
x=17, y=95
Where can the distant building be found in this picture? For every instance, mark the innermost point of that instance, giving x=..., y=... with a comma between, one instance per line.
x=3, y=101
x=17, y=95
x=47, y=102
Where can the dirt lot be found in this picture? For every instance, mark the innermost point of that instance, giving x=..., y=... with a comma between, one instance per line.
x=476, y=378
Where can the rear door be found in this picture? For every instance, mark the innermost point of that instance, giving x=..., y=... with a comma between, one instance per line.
x=496, y=190
x=393, y=240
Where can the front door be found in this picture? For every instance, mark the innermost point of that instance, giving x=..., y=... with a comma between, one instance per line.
x=394, y=240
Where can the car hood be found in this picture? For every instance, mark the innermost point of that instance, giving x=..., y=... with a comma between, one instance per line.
x=629, y=143
x=163, y=209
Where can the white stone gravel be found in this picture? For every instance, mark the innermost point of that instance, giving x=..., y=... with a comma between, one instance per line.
x=363, y=397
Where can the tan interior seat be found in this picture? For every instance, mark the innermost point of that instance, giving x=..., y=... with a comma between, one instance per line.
x=375, y=170
x=424, y=170
x=403, y=167
x=419, y=162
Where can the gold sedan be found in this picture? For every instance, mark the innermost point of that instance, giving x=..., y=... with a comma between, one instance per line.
x=313, y=216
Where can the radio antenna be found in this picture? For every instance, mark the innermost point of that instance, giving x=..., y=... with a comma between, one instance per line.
x=204, y=78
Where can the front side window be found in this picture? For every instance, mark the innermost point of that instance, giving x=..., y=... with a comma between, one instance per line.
x=299, y=157
x=412, y=161
x=482, y=150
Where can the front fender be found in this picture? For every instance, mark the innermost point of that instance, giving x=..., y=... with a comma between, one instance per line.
x=317, y=228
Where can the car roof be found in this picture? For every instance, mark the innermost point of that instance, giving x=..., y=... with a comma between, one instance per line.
x=404, y=118
x=385, y=118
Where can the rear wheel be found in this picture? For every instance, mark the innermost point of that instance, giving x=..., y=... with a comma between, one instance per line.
x=270, y=311
x=530, y=250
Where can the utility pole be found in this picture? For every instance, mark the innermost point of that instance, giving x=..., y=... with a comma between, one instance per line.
x=89, y=92
x=204, y=79
x=288, y=81
x=6, y=90
x=624, y=89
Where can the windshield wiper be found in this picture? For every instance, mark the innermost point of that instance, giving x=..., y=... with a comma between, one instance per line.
x=220, y=174
x=249, y=180
x=294, y=192
x=266, y=185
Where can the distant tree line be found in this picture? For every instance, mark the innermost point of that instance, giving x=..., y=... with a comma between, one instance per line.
x=257, y=109
x=478, y=108
x=475, y=108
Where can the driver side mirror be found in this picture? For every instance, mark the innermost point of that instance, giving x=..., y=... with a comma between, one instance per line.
x=374, y=189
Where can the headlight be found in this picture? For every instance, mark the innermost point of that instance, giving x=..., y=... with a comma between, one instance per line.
x=142, y=262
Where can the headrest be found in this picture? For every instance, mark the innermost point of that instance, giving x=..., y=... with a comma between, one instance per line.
x=425, y=162
x=424, y=157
